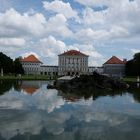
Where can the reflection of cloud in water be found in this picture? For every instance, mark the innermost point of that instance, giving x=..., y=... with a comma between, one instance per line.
x=11, y=105
x=19, y=122
x=42, y=100
x=31, y=122
x=45, y=110
x=56, y=123
x=49, y=101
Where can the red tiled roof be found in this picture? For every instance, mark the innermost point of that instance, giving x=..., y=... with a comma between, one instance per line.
x=31, y=58
x=73, y=52
x=114, y=60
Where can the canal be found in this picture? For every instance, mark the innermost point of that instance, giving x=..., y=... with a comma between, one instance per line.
x=30, y=111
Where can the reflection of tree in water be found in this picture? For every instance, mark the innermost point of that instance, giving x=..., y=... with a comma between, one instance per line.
x=29, y=87
x=99, y=93
x=96, y=93
x=88, y=93
x=17, y=85
x=6, y=85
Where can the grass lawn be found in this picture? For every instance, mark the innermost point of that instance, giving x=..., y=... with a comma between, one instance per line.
x=25, y=77
x=130, y=79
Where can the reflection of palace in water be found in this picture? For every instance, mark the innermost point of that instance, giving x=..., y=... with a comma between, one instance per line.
x=30, y=87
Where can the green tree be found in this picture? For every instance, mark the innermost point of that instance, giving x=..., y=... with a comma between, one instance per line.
x=129, y=68
x=6, y=63
x=132, y=67
x=18, y=69
x=136, y=61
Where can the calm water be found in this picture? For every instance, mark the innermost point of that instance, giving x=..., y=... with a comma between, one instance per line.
x=29, y=111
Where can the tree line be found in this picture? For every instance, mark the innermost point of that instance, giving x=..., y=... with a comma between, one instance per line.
x=10, y=66
x=132, y=67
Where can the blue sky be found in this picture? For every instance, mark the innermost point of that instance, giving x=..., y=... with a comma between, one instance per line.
x=46, y=28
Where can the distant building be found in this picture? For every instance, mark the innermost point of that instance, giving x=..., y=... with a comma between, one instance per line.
x=114, y=67
x=72, y=62
x=31, y=64
x=95, y=69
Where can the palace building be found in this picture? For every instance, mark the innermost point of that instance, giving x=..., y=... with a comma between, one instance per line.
x=72, y=62
x=34, y=66
x=114, y=67
x=31, y=64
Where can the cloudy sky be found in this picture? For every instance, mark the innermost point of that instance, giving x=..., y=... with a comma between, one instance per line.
x=46, y=28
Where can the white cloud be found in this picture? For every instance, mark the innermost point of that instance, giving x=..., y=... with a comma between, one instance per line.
x=12, y=23
x=90, y=2
x=60, y=7
x=12, y=42
x=118, y=31
x=126, y=15
x=119, y=20
x=91, y=17
x=135, y=51
x=51, y=47
x=57, y=26
x=88, y=35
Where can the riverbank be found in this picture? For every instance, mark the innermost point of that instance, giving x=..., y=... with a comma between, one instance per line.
x=26, y=77
x=45, y=77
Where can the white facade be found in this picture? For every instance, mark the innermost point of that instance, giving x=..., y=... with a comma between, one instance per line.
x=49, y=70
x=31, y=67
x=114, y=69
x=72, y=63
